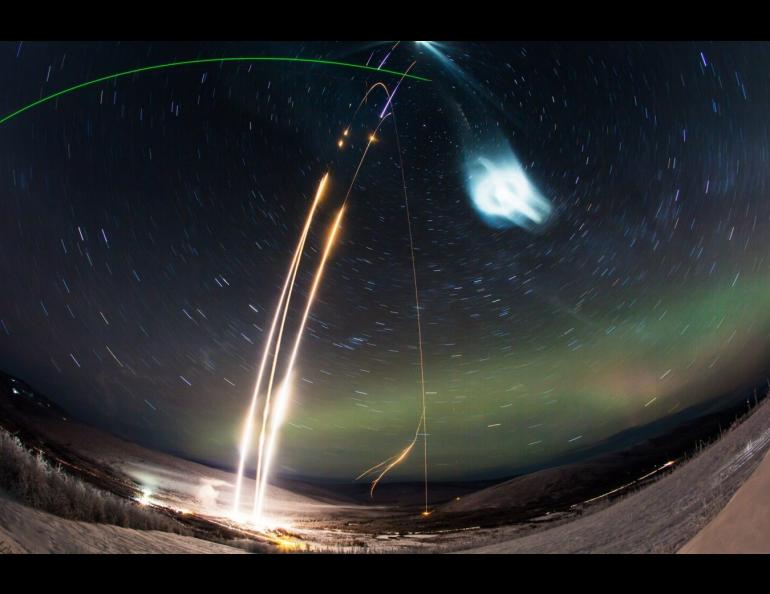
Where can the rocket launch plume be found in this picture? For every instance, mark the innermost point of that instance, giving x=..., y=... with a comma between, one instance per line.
x=246, y=437
x=282, y=400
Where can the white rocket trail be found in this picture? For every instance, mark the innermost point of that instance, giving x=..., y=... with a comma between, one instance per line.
x=246, y=437
x=281, y=404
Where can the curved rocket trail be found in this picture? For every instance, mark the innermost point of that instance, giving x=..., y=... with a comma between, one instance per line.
x=273, y=413
x=246, y=438
x=264, y=456
x=424, y=417
x=283, y=304
x=283, y=396
x=267, y=410
x=155, y=67
x=393, y=461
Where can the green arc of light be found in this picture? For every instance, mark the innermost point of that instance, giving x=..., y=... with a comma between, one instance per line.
x=207, y=61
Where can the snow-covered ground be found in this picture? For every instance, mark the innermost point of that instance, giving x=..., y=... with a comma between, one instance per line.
x=177, y=483
x=743, y=526
x=661, y=517
x=27, y=530
x=666, y=515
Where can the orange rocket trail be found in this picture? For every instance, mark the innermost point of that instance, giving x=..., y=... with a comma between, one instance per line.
x=274, y=409
x=268, y=431
x=284, y=393
x=422, y=423
x=247, y=435
x=267, y=411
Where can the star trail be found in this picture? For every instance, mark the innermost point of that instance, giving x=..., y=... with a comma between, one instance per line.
x=147, y=218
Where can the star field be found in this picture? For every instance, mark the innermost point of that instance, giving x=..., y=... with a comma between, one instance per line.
x=148, y=222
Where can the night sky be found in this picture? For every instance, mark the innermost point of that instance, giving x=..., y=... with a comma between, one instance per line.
x=148, y=221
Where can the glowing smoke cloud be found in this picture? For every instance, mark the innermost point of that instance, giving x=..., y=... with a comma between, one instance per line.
x=504, y=196
x=499, y=188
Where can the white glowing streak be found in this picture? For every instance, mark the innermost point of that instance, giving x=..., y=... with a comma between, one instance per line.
x=280, y=406
x=248, y=430
x=277, y=416
x=267, y=411
x=504, y=192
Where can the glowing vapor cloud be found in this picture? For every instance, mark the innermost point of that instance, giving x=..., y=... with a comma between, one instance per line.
x=504, y=196
x=247, y=436
x=277, y=412
x=499, y=187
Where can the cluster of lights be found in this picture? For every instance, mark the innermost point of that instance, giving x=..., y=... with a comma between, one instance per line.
x=341, y=141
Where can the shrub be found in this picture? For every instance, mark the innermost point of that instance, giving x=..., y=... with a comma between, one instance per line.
x=28, y=477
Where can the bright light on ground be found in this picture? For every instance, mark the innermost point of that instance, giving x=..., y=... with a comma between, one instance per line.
x=145, y=498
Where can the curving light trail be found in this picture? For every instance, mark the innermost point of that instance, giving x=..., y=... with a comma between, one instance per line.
x=424, y=417
x=167, y=65
x=273, y=413
x=262, y=475
x=393, y=94
x=279, y=408
x=393, y=461
x=276, y=413
x=267, y=410
x=247, y=436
